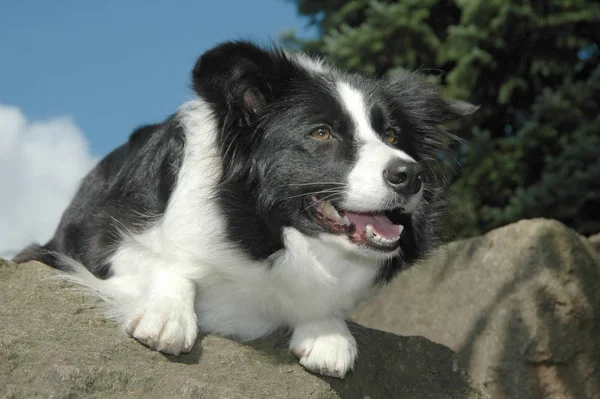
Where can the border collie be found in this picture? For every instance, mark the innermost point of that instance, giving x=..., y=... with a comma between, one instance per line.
x=279, y=197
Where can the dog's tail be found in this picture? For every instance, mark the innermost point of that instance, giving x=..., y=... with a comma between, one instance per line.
x=44, y=254
x=117, y=293
x=111, y=289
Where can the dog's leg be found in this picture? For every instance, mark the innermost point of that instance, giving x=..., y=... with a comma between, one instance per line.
x=325, y=346
x=165, y=319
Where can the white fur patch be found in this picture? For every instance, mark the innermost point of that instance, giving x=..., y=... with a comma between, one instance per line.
x=367, y=189
x=309, y=279
x=325, y=346
x=308, y=63
x=165, y=319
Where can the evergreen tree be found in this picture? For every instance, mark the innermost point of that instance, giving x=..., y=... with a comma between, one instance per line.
x=534, y=146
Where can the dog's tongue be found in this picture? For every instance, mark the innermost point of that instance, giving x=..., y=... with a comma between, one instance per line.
x=381, y=224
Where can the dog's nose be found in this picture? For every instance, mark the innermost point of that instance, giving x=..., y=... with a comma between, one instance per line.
x=405, y=177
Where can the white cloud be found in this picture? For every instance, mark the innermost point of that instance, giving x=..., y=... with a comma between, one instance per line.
x=41, y=164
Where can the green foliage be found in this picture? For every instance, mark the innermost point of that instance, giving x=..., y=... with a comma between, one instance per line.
x=549, y=168
x=534, y=147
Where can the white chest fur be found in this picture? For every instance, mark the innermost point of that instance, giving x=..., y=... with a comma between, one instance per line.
x=308, y=280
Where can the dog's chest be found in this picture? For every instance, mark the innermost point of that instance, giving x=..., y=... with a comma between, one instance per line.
x=307, y=280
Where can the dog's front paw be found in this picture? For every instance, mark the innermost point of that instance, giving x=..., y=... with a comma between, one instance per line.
x=166, y=325
x=325, y=347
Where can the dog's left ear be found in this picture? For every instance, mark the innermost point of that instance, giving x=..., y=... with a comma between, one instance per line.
x=443, y=110
x=237, y=78
x=460, y=108
x=425, y=100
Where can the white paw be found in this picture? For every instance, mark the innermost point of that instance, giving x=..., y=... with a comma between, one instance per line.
x=325, y=347
x=166, y=325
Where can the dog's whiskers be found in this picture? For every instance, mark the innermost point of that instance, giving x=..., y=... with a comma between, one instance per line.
x=318, y=183
x=330, y=191
x=320, y=200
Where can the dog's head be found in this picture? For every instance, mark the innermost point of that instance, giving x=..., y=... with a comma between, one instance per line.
x=344, y=157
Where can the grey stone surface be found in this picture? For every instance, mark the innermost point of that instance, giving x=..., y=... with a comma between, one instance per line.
x=520, y=306
x=54, y=343
x=595, y=241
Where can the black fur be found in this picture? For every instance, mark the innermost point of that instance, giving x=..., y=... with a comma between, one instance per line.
x=266, y=104
x=127, y=190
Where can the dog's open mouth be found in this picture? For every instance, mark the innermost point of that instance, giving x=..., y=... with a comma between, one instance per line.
x=374, y=229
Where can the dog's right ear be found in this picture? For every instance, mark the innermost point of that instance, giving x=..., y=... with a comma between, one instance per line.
x=234, y=76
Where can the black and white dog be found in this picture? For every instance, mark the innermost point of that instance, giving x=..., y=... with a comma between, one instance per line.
x=280, y=197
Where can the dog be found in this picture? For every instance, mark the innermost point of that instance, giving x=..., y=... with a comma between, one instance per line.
x=279, y=197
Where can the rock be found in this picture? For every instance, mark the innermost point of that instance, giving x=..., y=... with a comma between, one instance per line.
x=595, y=241
x=54, y=343
x=520, y=306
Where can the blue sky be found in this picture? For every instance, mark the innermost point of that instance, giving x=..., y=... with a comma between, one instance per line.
x=114, y=65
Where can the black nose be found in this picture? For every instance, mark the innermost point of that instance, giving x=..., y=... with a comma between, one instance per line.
x=405, y=177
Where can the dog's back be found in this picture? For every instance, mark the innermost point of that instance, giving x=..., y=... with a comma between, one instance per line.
x=120, y=193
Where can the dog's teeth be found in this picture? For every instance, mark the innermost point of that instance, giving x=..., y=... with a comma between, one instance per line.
x=400, y=230
x=330, y=211
x=377, y=239
x=345, y=221
x=390, y=240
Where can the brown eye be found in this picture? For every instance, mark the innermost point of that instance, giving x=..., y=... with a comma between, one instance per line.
x=322, y=133
x=390, y=135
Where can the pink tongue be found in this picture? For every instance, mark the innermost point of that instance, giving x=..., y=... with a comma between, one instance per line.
x=381, y=224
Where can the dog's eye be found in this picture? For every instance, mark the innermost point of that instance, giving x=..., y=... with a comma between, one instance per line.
x=322, y=133
x=390, y=136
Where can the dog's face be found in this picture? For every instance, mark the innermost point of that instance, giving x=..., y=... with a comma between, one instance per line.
x=343, y=157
